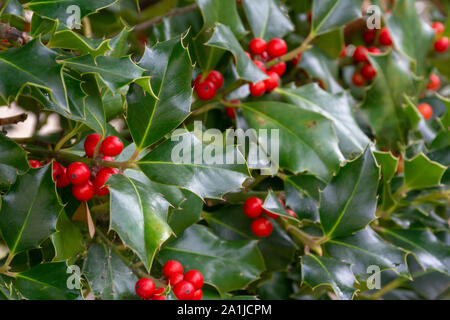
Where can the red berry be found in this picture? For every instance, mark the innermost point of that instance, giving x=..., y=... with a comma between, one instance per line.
x=309, y=17
x=260, y=65
x=159, y=297
x=272, y=82
x=257, y=46
x=91, y=143
x=264, y=56
x=279, y=68
x=78, y=173
x=368, y=71
x=194, y=277
x=206, y=90
x=270, y=214
x=438, y=27
x=84, y=192
x=358, y=79
x=253, y=207
x=343, y=53
x=385, y=37
x=34, y=163
x=100, y=180
x=184, y=290
x=257, y=89
x=112, y=146
x=197, y=80
x=295, y=61
x=107, y=158
x=369, y=36
x=262, y=227
x=426, y=110
x=175, y=278
x=291, y=213
x=145, y=288
x=442, y=44
x=360, y=54
x=216, y=78
x=63, y=180
x=159, y=290
x=230, y=112
x=276, y=48
x=435, y=82
x=172, y=267
x=374, y=50
x=198, y=294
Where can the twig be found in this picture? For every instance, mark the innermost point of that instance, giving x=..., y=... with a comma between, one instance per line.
x=12, y=34
x=14, y=119
x=175, y=12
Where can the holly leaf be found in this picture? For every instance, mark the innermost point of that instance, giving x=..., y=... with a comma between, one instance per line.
x=426, y=248
x=59, y=9
x=267, y=19
x=384, y=100
x=349, y=202
x=297, y=128
x=304, y=206
x=46, y=75
x=205, y=173
x=219, y=11
x=275, y=206
x=68, y=240
x=223, y=38
x=67, y=39
x=46, y=281
x=226, y=265
x=108, y=276
x=412, y=36
x=334, y=107
x=13, y=160
x=151, y=117
x=388, y=164
x=329, y=15
x=30, y=210
x=139, y=216
x=420, y=172
x=187, y=213
x=318, y=271
x=365, y=248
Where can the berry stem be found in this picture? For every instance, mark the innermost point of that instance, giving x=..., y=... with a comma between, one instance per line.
x=67, y=137
x=5, y=268
x=305, y=238
x=292, y=54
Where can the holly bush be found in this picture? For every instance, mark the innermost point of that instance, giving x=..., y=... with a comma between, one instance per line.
x=354, y=204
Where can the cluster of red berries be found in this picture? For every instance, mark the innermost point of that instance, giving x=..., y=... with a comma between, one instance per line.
x=426, y=110
x=441, y=43
x=206, y=87
x=184, y=286
x=261, y=226
x=79, y=175
x=262, y=52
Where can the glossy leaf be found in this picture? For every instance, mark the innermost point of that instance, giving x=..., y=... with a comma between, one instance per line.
x=68, y=39
x=348, y=203
x=175, y=163
x=139, y=216
x=267, y=19
x=68, y=240
x=304, y=206
x=151, y=117
x=298, y=128
x=275, y=206
x=421, y=172
x=388, y=164
x=226, y=265
x=108, y=276
x=13, y=160
x=30, y=210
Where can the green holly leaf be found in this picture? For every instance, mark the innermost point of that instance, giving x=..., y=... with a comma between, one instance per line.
x=298, y=127
x=46, y=75
x=421, y=172
x=224, y=12
x=275, y=206
x=119, y=45
x=108, y=276
x=67, y=39
x=319, y=271
x=13, y=160
x=364, y=249
x=328, y=15
x=334, y=107
x=349, y=202
x=187, y=213
x=426, y=248
x=68, y=240
x=139, y=216
x=385, y=98
x=46, y=281
x=58, y=9
x=151, y=117
x=226, y=265
x=299, y=199
x=267, y=19
x=223, y=38
x=175, y=163
x=232, y=224
x=330, y=45
x=412, y=36
x=30, y=210
x=388, y=164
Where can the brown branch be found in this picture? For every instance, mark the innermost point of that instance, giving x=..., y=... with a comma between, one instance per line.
x=172, y=13
x=13, y=120
x=12, y=34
